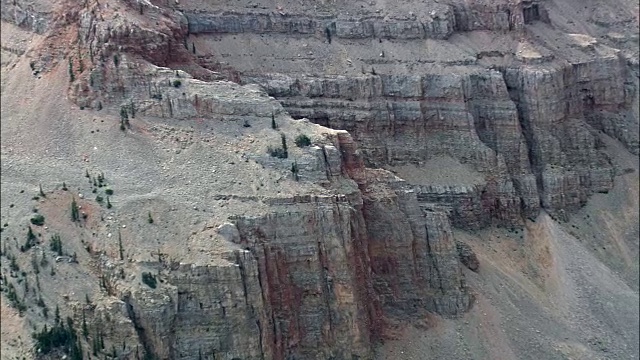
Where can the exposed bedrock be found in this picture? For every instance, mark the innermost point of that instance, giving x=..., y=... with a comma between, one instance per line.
x=527, y=122
x=318, y=290
x=432, y=19
x=435, y=137
x=530, y=130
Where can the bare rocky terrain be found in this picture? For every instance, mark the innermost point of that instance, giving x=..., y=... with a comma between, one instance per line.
x=319, y=180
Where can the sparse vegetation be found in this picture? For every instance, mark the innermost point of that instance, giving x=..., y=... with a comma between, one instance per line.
x=273, y=122
x=13, y=264
x=41, y=192
x=295, y=171
x=124, y=118
x=85, y=328
x=302, y=140
x=116, y=60
x=149, y=280
x=31, y=240
x=149, y=218
x=277, y=152
x=56, y=244
x=64, y=186
x=34, y=265
x=13, y=298
x=109, y=206
x=61, y=337
x=284, y=145
x=44, y=262
x=75, y=215
x=120, y=247
x=72, y=77
x=37, y=220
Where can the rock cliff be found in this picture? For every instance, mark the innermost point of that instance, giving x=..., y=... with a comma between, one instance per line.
x=463, y=114
x=521, y=110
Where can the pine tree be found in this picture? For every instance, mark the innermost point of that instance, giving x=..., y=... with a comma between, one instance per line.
x=75, y=216
x=120, y=248
x=85, y=330
x=72, y=77
x=284, y=145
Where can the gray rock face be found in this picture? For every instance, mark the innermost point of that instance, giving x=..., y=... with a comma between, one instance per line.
x=526, y=122
x=317, y=276
x=319, y=289
x=527, y=129
x=22, y=13
x=438, y=26
x=467, y=257
x=404, y=119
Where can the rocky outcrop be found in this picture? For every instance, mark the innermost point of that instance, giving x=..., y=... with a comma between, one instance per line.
x=439, y=25
x=353, y=260
x=317, y=276
x=23, y=14
x=527, y=126
x=433, y=20
x=467, y=257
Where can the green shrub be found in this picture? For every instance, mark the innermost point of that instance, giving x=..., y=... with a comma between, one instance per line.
x=59, y=337
x=303, y=140
x=31, y=241
x=71, y=75
x=37, y=220
x=284, y=145
x=75, y=215
x=277, y=152
x=149, y=279
x=13, y=265
x=99, y=199
x=56, y=244
x=108, y=191
x=177, y=83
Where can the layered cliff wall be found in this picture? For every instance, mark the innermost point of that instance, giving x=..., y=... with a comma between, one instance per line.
x=522, y=110
x=356, y=230
x=351, y=263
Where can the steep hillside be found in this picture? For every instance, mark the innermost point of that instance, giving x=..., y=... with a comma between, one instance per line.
x=315, y=180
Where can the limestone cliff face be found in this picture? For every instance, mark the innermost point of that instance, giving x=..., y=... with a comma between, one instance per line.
x=318, y=276
x=527, y=125
x=319, y=289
